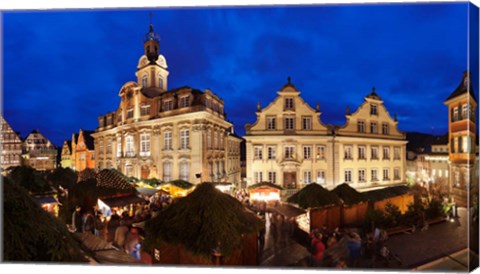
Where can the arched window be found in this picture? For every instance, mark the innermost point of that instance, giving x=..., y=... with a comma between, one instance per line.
x=144, y=80
x=160, y=80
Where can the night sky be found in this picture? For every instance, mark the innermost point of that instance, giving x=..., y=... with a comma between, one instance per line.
x=64, y=68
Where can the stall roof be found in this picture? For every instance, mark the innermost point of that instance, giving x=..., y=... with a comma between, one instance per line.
x=349, y=195
x=314, y=196
x=122, y=201
x=289, y=210
x=264, y=184
x=150, y=191
x=104, y=252
x=386, y=193
x=46, y=200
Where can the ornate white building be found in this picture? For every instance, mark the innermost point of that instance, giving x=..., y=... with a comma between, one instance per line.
x=167, y=134
x=290, y=146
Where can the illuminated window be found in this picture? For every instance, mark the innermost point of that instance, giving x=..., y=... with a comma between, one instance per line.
x=209, y=138
x=145, y=144
x=167, y=140
x=109, y=148
x=144, y=80
x=361, y=126
x=348, y=153
x=396, y=173
x=100, y=147
x=465, y=111
x=129, y=170
x=386, y=153
x=373, y=109
x=289, y=123
x=373, y=127
x=320, y=152
x=386, y=174
x=289, y=103
x=184, y=139
x=271, y=152
x=184, y=171
x=119, y=146
x=374, y=151
x=130, y=152
x=396, y=153
x=272, y=177
x=258, y=177
x=167, y=172
x=455, y=114
x=374, y=175
x=289, y=152
x=258, y=153
x=361, y=153
x=271, y=123
x=361, y=176
x=307, y=152
x=307, y=123
x=385, y=129
x=307, y=177
x=321, y=176
x=348, y=176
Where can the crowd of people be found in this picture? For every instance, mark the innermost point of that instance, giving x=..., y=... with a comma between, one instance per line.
x=121, y=226
x=342, y=248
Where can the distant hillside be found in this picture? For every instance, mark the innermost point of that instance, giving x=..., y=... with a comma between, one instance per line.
x=422, y=142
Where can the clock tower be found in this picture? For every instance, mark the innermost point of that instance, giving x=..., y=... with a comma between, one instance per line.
x=152, y=67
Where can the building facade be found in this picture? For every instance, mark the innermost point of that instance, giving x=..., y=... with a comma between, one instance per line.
x=290, y=146
x=83, y=150
x=38, y=152
x=167, y=134
x=10, y=145
x=462, y=141
x=66, y=156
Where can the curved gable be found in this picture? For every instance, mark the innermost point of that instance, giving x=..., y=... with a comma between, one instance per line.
x=372, y=110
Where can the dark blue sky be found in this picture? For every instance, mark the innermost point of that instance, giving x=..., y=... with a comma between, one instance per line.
x=64, y=68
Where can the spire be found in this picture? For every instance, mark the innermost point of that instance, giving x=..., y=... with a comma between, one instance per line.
x=151, y=43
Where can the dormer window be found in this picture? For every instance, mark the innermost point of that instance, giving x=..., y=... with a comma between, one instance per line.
x=144, y=81
x=130, y=113
x=145, y=110
x=168, y=105
x=184, y=101
x=289, y=104
x=373, y=109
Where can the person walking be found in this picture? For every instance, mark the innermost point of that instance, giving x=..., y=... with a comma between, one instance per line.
x=77, y=221
x=99, y=225
x=317, y=248
x=88, y=223
x=120, y=235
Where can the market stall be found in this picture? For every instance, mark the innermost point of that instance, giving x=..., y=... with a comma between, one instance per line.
x=177, y=188
x=228, y=231
x=264, y=192
x=354, y=205
x=323, y=206
x=396, y=195
x=48, y=203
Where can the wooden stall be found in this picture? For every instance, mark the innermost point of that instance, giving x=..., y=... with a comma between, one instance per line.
x=264, y=192
x=397, y=195
x=207, y=227
x=323, y=206
x=354, y=205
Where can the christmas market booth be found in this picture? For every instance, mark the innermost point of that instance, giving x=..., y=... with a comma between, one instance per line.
x=354, y=205
x=323, y=207
x=207, y=227
x=49, y=203
x=177, y=188
x=396, y=195
x=116, y=193
x=264, y=192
